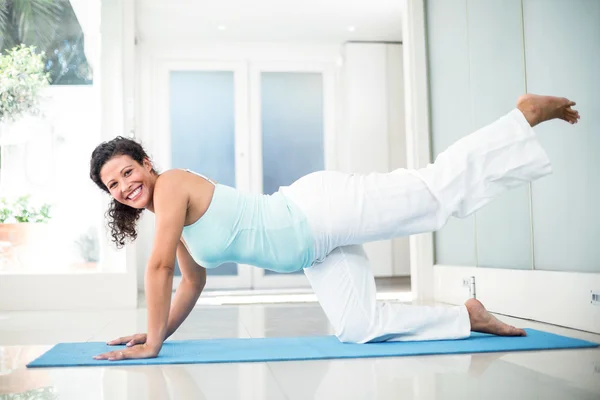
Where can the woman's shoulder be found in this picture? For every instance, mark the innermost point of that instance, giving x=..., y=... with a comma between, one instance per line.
x=183, y=174
x=180, y=181
x=172, y=182
x=171, y=176
x=178, y=186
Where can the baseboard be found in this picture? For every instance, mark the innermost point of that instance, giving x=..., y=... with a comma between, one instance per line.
x=560, y=298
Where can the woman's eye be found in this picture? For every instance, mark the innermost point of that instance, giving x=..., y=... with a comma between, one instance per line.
x=127, y=172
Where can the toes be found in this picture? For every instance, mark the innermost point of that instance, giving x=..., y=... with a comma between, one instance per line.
x=571, y=116
x=566, y=118
x=518, y=332
x=512, y=331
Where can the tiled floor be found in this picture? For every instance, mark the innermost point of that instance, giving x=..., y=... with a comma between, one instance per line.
x=563, y=374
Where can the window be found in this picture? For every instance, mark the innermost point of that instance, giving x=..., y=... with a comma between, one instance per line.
x=50, y=219
x=54, y=29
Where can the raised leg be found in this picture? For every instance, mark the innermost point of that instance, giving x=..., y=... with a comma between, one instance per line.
x=345, y=209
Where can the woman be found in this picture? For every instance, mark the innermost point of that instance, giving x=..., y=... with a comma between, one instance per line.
x=319, y=224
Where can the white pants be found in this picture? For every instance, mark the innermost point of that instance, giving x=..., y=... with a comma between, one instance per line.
x=347, y=210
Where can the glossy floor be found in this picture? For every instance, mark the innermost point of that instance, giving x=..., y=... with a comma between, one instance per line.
x=562, y=374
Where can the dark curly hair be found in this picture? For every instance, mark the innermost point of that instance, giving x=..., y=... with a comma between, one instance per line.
x=122, y=219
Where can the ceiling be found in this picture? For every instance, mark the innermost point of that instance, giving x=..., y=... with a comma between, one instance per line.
x=322, y=21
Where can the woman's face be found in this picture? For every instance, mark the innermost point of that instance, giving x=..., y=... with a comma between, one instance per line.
x=129, y=182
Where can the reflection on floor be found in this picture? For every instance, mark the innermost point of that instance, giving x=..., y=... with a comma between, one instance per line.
x=562, y=374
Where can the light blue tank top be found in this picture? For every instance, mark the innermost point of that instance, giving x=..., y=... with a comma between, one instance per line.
x=266, y=231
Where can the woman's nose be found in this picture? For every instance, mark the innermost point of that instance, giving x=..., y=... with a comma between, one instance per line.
x=125, y=189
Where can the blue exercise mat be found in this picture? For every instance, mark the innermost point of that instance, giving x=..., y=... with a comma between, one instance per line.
x=300, y=348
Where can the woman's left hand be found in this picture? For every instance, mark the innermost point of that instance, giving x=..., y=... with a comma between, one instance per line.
x=133, y=352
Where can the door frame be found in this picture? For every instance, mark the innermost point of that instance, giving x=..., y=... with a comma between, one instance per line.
x=261, y=280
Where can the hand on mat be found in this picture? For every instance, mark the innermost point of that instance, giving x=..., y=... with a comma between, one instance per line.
x=137, y=351
x=129, y=341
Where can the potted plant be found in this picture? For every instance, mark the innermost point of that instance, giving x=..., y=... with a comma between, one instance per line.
x=22, y=223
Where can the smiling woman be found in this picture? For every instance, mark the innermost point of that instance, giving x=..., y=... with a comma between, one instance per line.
x=319, y=224
x=123, y=169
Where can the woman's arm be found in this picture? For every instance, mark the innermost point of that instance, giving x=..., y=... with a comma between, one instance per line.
x=170, y=201
x=192, y=283
x=170, y=206
x=193, y=279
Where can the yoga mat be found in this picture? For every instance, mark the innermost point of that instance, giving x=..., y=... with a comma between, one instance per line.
x=300, y=348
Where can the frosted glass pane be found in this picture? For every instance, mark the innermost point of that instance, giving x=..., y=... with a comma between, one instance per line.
x=450, y=118
x=503, y=227
x=292, y=127
x=562, y=42
x=203, y=129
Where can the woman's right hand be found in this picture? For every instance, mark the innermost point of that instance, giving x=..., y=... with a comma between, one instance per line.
x=129, y=341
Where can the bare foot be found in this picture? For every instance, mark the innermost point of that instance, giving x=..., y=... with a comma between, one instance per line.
x=538, y=109
x=482, y=321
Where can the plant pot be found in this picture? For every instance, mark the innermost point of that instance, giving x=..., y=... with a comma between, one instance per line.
x=23, y=233
x=84, y=266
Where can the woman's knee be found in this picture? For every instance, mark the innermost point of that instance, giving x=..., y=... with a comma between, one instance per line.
x=362, y=335
x=358, y=328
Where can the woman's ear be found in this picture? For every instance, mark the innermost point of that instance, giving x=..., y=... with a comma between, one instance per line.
x=147, y=164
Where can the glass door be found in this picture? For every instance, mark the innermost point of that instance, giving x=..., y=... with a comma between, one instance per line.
x=291, y=136
x=207, y=133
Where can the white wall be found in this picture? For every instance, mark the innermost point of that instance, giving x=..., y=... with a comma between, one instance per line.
x=417, y=134
x=372, y=137
x=397, y=143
